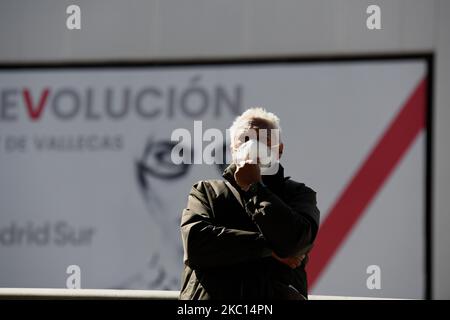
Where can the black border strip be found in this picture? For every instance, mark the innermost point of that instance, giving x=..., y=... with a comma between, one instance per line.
x=213, y=62
x=280, y=60
x=429, y=181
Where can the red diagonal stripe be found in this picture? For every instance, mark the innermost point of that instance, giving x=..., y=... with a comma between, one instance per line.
x=367, y=181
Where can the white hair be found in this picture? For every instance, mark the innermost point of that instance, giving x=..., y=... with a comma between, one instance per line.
x=253, y=113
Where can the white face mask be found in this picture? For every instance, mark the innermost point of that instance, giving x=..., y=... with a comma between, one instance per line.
x=255, y=150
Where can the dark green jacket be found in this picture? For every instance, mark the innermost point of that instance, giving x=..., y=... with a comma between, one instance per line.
x=228, y=237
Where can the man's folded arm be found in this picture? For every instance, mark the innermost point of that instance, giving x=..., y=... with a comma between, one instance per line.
x=288, y=227
x=207, y=244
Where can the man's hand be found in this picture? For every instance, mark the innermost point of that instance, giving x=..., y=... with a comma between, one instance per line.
x=246, y=174
x=292, y=262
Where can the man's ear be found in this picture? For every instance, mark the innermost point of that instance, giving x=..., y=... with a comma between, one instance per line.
x=280, y=150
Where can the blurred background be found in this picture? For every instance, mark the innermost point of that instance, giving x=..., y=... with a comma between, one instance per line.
x=86, y=117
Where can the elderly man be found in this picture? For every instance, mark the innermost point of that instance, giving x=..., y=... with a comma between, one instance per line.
x=248, y=236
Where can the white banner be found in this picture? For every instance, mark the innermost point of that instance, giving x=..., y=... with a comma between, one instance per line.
x=86, y=177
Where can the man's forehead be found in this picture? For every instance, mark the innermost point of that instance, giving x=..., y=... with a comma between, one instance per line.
x=251, y=129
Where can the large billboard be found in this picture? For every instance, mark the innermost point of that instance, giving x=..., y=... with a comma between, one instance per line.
x=86, y=176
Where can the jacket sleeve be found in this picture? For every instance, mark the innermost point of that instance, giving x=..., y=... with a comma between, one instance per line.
x=289, y=227
x=207, y=244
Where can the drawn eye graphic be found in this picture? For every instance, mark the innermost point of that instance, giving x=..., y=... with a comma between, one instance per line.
x=156, y=162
